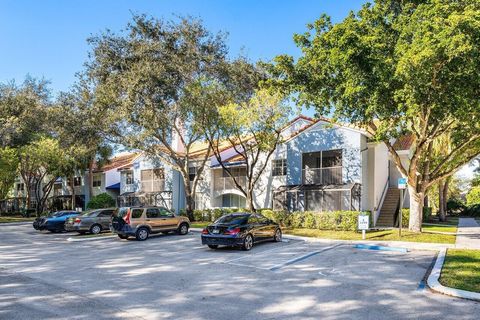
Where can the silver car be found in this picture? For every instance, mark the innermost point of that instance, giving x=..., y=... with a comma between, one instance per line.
x=93, y=221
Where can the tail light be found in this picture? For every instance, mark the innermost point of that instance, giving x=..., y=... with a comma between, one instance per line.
x=127, y=217
x=205, y=231
x=77, y=220
x=232, y=232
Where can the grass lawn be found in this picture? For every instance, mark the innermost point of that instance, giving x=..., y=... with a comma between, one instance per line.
x=451, y=221
x=199, y=224
x=444, y=228
x=15, y=219
x=461, y=270
x=385, y=235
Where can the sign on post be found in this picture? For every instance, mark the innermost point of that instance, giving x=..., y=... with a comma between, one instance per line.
x=363, y=223
x=402, y=183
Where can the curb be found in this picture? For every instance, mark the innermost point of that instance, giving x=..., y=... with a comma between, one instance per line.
x=89, y=238
x=403, y=244
x=435, y=285
x=23, y=223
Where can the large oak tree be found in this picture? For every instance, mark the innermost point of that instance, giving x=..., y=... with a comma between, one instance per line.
x=398, y=67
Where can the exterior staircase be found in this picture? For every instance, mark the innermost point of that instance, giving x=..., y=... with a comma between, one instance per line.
x=389, y=209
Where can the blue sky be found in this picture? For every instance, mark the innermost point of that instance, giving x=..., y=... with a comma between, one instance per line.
x=48, y=38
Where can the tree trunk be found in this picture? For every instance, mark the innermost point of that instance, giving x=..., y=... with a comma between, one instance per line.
x=189, y=206
x=416, y=209
x=445, y=197
x=71, y=188
x=90, y=181
x=249, y=200
x=441, y=201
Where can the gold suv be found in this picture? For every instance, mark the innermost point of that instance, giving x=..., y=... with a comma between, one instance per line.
x=140, y=222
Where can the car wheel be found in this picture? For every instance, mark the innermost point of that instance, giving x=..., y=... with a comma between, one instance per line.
x=121, y=236
x=95, y=229
x=213, y=246
x=142, y=234
x=278, y=236
x=183, y=229
x=247, y=242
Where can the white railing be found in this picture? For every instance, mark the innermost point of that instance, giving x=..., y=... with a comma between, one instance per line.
x=325, y=176
x=227, y=183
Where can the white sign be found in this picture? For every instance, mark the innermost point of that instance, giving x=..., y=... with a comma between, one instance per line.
x=363, y=222
x=402, y=183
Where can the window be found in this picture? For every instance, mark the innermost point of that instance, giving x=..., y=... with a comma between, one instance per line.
x=77, y=181
x=236, y=172
x=153, y=213
x=253, y=219
x=137, y=213
x=129, y=177
x=20, y=187
x=331, y=158
x=233, y=201
x=97, y=180
x=153, y=180
x=192, y=172
x=105, y=213
x=57, y=189
x=164, y=212
x=279, y=167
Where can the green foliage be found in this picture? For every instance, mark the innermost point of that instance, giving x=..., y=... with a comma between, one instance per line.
x=472, y=211
x=23, y=111
x=405, y=217
x=103, y=200
x=335, y=220
x=455, y=206
x=8, y=170
x=473, y=196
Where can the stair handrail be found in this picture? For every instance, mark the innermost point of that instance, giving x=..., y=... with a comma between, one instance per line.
x=380, y=202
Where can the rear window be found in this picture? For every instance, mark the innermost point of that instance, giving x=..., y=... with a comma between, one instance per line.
x=90, y=213
x=233, y=219
x=122, y=212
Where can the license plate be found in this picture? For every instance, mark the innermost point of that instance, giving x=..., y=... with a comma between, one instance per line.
x=216, y=231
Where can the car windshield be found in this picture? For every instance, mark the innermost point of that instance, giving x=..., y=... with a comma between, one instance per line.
x=56, y=214
x=233, y=219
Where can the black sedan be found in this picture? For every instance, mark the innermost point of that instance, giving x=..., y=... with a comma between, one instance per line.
x=242, y=230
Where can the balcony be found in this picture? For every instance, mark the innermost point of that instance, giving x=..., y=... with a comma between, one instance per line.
x=227, y=183
x=324, y=176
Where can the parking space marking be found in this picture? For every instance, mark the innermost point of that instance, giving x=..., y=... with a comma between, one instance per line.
x=305, y=256
x=259, y=253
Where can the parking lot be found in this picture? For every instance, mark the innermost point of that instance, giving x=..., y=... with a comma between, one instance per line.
x=42, y=276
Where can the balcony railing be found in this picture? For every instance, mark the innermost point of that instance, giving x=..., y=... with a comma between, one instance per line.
x=325, y=176
x=227, y=183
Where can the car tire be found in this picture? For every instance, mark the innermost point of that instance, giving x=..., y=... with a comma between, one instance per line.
x=183, y=229
x=247, y=242
x=142, y=234
x=95, y=229
x=277, y=237
x=213, y=246
x=121, y=236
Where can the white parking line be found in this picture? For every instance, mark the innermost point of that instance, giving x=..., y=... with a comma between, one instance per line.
x=259, y=253
x=305, y=256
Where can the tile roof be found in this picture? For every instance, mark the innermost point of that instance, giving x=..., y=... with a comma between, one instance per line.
x=119, y=161
x=404, y=142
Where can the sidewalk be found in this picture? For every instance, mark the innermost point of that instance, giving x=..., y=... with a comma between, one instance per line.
x=468, y=234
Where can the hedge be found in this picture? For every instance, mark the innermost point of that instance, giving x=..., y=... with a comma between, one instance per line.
x=103, y=200
x=335, y=220
x=427, y=212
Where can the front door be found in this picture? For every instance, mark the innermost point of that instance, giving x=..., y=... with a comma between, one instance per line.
x=169, y=221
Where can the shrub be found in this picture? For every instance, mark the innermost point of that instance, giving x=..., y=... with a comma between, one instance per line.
x=405, y=217
x=473, y=196
x=103, y=200
x=472, y=211
x=335, y=220
x=455, y=206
